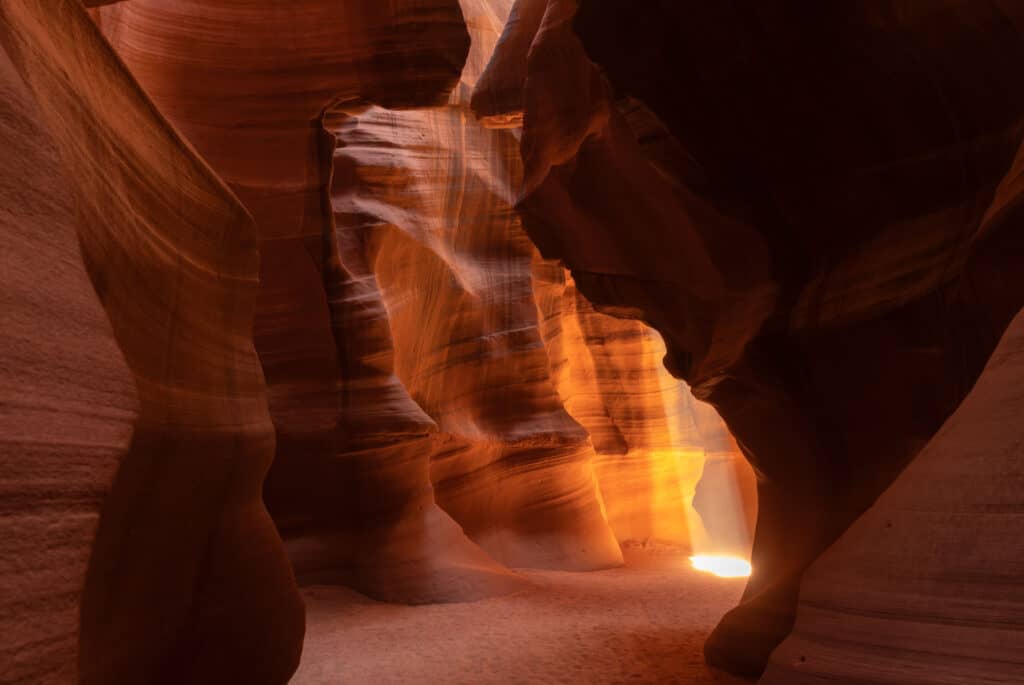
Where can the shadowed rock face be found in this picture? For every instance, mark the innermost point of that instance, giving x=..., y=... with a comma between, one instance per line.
x=822, y=223
x=802, y=200
x=927, y=587
x=396, y=321
x=434, y=228
x=422, y=204
x=453, y=267
x=57, y=469
x=136, y=431
x=654, y=442
x=350, y=486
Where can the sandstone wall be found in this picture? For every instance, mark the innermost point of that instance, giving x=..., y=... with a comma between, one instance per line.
x=136, y=429
x=805, y=208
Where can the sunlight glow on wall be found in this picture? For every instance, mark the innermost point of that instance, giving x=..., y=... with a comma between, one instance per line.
x=718, y=509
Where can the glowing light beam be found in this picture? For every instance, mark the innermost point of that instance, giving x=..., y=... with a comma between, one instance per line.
x=723, y=567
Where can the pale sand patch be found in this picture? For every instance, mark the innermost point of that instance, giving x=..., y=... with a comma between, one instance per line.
x=643, y=623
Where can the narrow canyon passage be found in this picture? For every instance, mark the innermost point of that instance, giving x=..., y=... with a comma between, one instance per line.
x=645, y=622
x=472, y=342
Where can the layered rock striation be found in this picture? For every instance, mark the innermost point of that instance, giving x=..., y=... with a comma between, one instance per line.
x=428, y=266
x=803, y=201
x=396, y=321
x=350, y=487
x=136, y=547
x=453, y=267
x=926, y=587
x=435, y=225
x=654, y=442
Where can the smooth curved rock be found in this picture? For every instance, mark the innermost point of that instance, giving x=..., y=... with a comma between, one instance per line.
x=430, y=234
x=654, y=441
x=928, y=586
x=434, y=226
x=67, y=401
x=835, y=353
x=453, y=265
x=187, y=576
x=497, y=99
x=351, y=495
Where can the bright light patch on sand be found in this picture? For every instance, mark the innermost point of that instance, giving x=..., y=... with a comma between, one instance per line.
x=723, y=567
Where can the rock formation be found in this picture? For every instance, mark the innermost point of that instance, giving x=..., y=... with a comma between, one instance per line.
x=434, y=236
x=453, y=266
x=136, y=547
x=654, y=442
x=64, y=435
x=805, y=218
x=927, y=586
x=350, y=485
x=436, y=228
x=399, y=331
x=421, y=283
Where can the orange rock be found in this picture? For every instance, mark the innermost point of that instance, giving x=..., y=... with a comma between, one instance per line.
x=926, y=586
x=350, y=486
x=654, y=441
x=453, y=265
x=187, y=576
x=686, y=183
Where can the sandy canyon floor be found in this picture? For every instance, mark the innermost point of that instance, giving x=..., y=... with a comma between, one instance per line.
x=642, y=623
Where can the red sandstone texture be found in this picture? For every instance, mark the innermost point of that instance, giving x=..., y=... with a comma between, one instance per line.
x=136, y=547
x=416, y=268
x=654, y=442
x=433, y=229
x=810, y=218
x=927, y=587
x=350, y=485
x=396, y=323
x=453, y=266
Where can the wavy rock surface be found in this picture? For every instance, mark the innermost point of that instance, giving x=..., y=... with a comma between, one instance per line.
x=396, y=322
x=822, y=222
x=135, y=420
x=927, y=587
x=350, y=487
x=453, y=266
x=834, y=354
x=434, y=227
x=654, y=441
x=400, y=330
x=67, y=397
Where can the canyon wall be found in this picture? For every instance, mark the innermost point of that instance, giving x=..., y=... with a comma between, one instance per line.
x=68, y=400
x=434, y=232
x=350, y=485
x=135, y=544
x=391, y=301
x=431, y=275
x=927, y=586
x=422, y=446
x=806, y=209
x=654, y=442
x=453, y=267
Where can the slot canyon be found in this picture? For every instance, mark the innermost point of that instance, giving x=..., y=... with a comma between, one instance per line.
x=489, y=342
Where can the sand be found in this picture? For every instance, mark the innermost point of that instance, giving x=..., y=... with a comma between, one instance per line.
x=643, y=623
